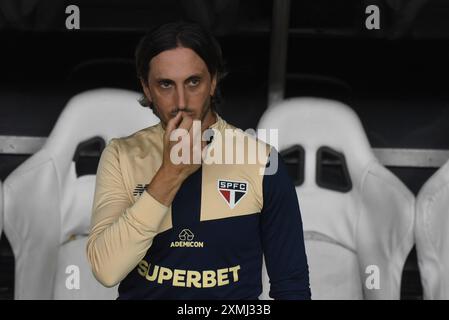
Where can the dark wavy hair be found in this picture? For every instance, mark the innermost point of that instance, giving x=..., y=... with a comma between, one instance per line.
x=180, y=34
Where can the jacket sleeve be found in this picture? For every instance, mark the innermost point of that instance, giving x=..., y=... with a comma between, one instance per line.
x=121, y=231
x=282, y=236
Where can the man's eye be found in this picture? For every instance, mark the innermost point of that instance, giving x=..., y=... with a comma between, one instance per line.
x=194, y=82
x=165, y=84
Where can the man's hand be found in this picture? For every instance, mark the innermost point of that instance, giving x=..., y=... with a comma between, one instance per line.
x=184, y=123
x=170, y=176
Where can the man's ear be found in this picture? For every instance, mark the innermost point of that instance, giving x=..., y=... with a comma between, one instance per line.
x=213, y=85
x=146, y=90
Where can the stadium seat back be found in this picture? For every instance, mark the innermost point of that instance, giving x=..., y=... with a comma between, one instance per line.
x=432, y=236
x=357, y=216
x=48, y=203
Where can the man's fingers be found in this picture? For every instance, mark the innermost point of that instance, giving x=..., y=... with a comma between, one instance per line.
x=173, y=123
x=186, y=122
x=171, y=126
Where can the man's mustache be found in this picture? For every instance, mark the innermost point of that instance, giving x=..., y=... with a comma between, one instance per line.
x=175, y=111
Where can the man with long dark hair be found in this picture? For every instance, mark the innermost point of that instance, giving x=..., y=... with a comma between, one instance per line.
x=166, y=229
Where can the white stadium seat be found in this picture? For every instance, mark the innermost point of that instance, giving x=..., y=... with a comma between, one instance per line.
x=48, y=208
x=357, y=238
x=432, y=236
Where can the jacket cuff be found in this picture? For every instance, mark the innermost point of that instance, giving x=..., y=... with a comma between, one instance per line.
x=148, y=212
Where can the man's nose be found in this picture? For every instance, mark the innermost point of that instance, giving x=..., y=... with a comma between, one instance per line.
x=181, y=99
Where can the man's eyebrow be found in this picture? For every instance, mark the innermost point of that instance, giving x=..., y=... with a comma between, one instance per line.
x=190, y=78
x=193, y=76
x=196, y=75
x=164, y=80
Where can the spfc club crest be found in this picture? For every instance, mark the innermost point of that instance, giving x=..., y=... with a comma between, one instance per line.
x=232, y=191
